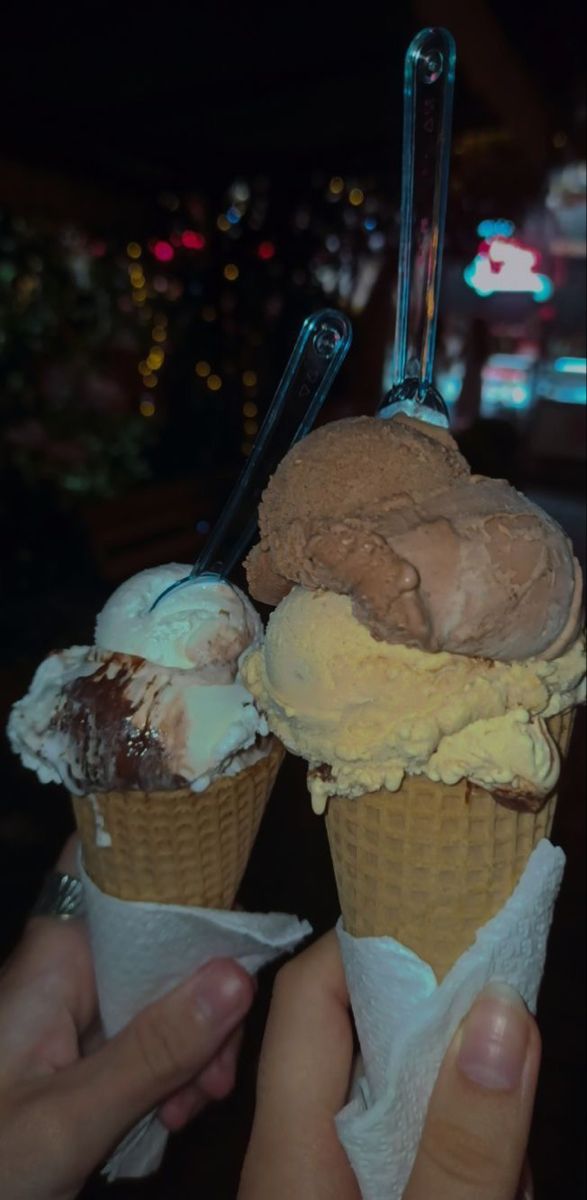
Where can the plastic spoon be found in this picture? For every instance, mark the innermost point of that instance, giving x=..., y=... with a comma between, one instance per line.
x=428, y=101
x=316, y=359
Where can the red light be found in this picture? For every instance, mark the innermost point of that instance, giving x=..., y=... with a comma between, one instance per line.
x=266, y=251
x=192, y=240
x=163, y=251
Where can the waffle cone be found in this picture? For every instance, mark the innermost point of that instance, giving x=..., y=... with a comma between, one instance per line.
x=176, y=847
x=430, y=864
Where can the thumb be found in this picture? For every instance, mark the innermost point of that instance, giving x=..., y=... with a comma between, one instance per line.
x=476, y=1130
x=162, y=1048
x=302, y=1082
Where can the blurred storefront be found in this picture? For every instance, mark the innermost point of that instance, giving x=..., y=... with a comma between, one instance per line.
x=526, y=287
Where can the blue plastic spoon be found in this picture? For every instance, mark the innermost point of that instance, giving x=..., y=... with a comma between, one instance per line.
x=317, y=356
x=428, y=101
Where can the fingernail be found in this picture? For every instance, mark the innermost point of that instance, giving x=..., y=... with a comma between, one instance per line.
x=494, y=1039
x=222, y=992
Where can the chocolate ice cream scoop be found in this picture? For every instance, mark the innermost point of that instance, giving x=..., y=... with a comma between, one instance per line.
x=388, y=513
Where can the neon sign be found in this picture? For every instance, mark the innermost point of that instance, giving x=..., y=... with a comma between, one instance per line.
x=504, y=264
x=498, y=228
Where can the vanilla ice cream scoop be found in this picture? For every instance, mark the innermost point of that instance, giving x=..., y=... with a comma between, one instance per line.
x=206, y=626
x=364, y=713
x=156, y=703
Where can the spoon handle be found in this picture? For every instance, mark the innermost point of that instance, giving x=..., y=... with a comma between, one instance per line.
x=317, y=356
x=428, y=102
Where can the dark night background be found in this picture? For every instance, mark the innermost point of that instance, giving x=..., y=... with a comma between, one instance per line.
x=130, y=127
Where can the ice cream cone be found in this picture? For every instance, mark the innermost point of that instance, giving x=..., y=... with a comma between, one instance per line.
x=430, y=864
x=176, y=847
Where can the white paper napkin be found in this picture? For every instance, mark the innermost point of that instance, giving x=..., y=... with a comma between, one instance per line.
x=406, y=1021
x=141, y=951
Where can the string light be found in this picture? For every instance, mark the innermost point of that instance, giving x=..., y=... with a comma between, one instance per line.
x=163, y=251
x=376, y=241
x=155, y=359
x=229, y=222
x=147, y=407
x=241, y=192
x=184, y=267
x=192, y=240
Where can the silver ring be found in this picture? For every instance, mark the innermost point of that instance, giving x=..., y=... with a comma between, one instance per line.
x=61, y=896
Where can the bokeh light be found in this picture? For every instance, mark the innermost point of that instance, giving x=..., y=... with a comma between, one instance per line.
x=163, y=251
x=192, y=240
x=155, y=358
